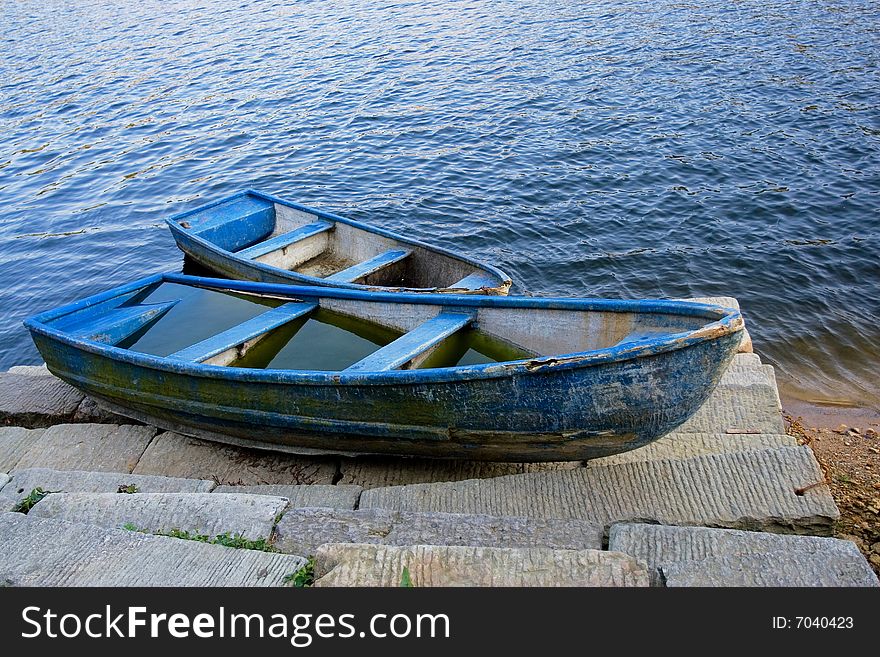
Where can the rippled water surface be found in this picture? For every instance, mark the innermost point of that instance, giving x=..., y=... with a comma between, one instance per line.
x=620, y=149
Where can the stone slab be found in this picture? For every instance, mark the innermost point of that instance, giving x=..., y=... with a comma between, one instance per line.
x=14, y=443
x=375, y=472
x=741, y=375
x=72, y=481
x=689, y=445
x=435, y=565
x=31, y=370
x=658, y=545
x=4, y=479
x=94, y=447
x=744, y=490
x=302, y=531
x=304, y=495
x=751, y=408
x=173, y=455
x=251, y=516
x=746, y=360
x=772, y=569
x=40, y=552
x=36, y=401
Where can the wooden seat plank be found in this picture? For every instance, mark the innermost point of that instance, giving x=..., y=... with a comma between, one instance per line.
x=119, y=323
x=244, y=332
x=370, y=266
x=410, y=345
x=284, y=240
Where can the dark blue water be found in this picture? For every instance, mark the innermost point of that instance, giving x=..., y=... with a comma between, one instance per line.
x=621, y=149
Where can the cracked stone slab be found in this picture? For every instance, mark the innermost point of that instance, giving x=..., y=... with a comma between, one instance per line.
x=745, y=346
x=659, y=545
x=743, y=490
x=173, y=455
x=733, y=408
x=40, y=552
x=94, y=447
x=689, y=445
x=302, y=531
x=72, y=481
x=4, y=479
x=36, y=401
x=251, y=516
x=14, y=443
x=304, y=495
x=441, y=565
x=375, y=472
x=772, y=569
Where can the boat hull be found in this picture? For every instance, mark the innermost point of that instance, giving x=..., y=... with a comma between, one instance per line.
x=547, y=413
x=439, y=267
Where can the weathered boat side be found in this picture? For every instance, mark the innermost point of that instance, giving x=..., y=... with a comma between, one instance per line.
x=560, y=407
x=241, y=247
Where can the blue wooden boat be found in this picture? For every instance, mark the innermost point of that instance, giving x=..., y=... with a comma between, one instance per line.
x=587, y=377
x=258, y=237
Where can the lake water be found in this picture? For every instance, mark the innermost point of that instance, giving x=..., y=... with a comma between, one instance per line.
x=614, y=149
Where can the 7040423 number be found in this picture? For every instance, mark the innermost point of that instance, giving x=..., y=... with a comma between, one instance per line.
x=824, y=622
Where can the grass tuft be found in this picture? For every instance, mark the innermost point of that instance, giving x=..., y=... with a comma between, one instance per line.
x=32, y=498
x=304, y=577
x=405, y=579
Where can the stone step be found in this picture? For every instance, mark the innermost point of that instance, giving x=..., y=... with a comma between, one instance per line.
x=818, y=557
x=36, y=401
x=304, y=495
x=745, y=375
x=251, y=516
x=770, y=489
x=92, y=447
x=73, y=481
x=689, y=445
x=302, y=531
x=772, y=569
x=440, y=565
x=733, y=408
x=87, y=411
x=31, y=370
x=745, y=360
x=40, y=552
x=375, y=472
x=14, y=443
x=173, y=455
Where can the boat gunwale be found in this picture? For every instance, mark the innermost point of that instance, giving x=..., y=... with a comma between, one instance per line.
x=727, y=321
x=503, y=280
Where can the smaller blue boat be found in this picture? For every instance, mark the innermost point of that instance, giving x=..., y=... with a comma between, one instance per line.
x=254, y=236
x=327, y=370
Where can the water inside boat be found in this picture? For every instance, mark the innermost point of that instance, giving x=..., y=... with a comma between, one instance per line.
x=320, y=340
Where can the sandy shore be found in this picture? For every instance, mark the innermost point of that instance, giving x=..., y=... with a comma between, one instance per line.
x=846, y=442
